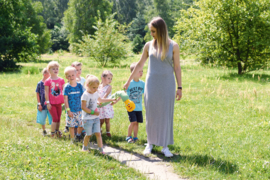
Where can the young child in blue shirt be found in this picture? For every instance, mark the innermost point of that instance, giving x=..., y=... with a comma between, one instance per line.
x=135, y=92
x=42, y=112
x=72, y=97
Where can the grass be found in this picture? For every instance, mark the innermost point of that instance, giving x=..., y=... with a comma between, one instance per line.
x=221, y=126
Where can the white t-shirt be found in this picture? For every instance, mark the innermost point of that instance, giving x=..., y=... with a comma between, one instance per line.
x=91, y=103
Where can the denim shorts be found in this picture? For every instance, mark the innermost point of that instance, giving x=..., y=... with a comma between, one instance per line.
x=76, y=121
x=42, y=115
x=91, y=126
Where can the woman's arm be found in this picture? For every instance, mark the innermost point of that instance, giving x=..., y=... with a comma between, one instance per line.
x=177, y=70
x=139, y=65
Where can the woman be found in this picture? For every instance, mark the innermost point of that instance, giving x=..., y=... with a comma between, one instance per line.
x=160, y=86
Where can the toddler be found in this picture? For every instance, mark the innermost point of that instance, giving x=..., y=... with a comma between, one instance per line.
x=72, y=97
x=42, y=112
x=54, y=96
x=104, y=91
x=91, y=122
x=135, y=91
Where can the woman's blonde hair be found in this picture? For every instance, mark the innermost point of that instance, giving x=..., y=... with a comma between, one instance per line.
x=90, y=79
x=52, y=64
x=105, y=74
x=162, y=40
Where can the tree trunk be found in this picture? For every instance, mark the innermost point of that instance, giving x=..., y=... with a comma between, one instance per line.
x=239, y=68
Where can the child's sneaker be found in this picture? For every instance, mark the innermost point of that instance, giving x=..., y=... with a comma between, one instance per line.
x=135, y=139
x=58, y=134
x=129, y=139
x=52, y=134
x=109, y=134
x=66, y=130
x=44, y=133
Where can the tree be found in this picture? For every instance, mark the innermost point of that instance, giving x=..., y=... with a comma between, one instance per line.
x=17, y=42
x=59, y=38
x=232, y=33
x=79, y=18
x=137, y=44
x=108, y=44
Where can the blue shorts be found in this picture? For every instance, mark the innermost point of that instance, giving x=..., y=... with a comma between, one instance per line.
x=42, y=115
x=76, y=121
x=91, y=126
x=135, y=116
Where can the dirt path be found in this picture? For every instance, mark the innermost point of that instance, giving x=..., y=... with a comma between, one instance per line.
x=153, y=168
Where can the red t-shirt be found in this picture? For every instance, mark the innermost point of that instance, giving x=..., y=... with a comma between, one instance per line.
x=55, y=90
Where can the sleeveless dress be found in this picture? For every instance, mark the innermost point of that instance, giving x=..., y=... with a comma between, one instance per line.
x=159, y=98
x=105, y=111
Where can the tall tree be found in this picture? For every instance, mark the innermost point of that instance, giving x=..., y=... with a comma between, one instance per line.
x=81, y=16
x=235, y=33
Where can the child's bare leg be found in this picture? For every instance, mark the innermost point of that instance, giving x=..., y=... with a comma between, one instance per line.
x=130, y=128
x=71, y=131
x=85, y=143
x=79, y=130
x=99, y=141
x=57, y=126
x=43, y=127
x=135, y=128
x=53, y=127
x=101, y=122
x=108, y=125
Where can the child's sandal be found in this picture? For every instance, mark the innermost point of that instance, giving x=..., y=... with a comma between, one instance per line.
x=135, y=139
x=129, y=139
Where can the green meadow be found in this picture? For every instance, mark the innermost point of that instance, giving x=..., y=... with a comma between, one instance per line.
x=221, y=126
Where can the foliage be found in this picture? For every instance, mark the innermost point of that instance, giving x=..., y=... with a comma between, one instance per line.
x=53, y=11
x=59, y=38
x=79, y=18
x=30, y=70
x=137, y=44
x=108, y=44
x=137, y=27
x=17, y=42
x=235, y=33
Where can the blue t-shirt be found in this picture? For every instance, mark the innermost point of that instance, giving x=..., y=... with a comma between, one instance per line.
x=74, y=97
x=135, y=91
x=41, y=90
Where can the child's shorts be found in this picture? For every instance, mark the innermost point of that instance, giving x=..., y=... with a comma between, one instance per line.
x=76, y=121
x=91, y=126
x=135, y=116
x=42, y=115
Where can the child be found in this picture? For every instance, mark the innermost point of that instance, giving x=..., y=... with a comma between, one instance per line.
x=104, y=91
x=42, y=108
x=91, y=122
x=135, y=91
x=54, y=96
x=72, y=97
x=78, y=67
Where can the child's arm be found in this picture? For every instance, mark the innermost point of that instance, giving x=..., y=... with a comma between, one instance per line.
x=109, y=90
x=38, y=100
x=85, y=109
x=102, y=100
x=70, y=114
x=116, y=101
x=47, y=97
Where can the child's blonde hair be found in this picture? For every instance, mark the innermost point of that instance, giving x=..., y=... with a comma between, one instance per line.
x=45, y=70
x=68, y=69
x=76, y=63
x=105, y=74
x=52, y=64
x=90, y=79
x=132, y=66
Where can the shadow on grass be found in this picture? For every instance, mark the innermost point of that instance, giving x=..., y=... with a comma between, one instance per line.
x=257, y=78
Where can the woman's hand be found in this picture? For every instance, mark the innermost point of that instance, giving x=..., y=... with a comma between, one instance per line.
x=126, y=85
x=178, y=94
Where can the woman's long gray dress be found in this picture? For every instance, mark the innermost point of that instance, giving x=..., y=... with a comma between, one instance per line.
x=159, y=98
